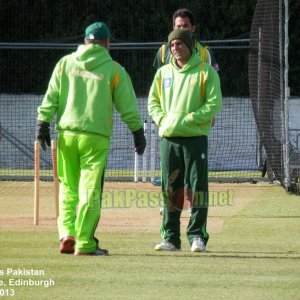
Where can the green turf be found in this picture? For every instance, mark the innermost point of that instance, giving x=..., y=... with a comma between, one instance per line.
x=130, y=173
x=256, y=256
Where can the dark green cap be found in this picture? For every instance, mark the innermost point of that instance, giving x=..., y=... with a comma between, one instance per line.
x=183, y=35
x=97, y=31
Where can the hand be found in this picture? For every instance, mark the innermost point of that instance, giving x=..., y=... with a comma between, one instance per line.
x=43, y=134
x=139, y=141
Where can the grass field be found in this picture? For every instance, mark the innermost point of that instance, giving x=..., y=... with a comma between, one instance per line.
x=253, y=251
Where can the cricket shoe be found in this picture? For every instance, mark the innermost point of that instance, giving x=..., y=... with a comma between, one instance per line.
x=67, y=245
x=98, y=252
x=166, y=246
x=198, y=245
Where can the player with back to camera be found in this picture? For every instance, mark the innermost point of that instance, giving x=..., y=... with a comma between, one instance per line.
x=84, y=88
x=185, y=96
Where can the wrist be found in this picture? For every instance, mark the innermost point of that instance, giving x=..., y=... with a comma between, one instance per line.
x=138, y=132
x=42, y=124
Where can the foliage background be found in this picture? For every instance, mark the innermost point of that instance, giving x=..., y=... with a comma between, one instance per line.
x=130, y=21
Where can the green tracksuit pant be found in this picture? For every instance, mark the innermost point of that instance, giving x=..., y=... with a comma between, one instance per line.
x=81, y=160
x=184, y=168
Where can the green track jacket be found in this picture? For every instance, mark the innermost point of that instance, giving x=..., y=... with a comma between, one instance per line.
x=183, y=102
x=84, y=89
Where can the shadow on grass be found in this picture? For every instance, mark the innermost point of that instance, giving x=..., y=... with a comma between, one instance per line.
x=220, y=254
x=265, y=217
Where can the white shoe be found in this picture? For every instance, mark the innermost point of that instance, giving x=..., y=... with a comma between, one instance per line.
x=166, y=246
x=198, y=245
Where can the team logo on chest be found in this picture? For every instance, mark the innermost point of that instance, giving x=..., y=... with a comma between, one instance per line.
x=167, y=82
x=193, y=81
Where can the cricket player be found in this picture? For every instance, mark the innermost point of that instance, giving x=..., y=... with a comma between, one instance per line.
x=84, y=89
x=184, y=19
x=184, y=98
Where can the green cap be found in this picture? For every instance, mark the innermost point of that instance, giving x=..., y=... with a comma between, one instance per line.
x=97, y=31
x=183, y=35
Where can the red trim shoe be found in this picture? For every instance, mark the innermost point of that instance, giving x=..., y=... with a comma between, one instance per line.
x=67, y=245
x=98, y=252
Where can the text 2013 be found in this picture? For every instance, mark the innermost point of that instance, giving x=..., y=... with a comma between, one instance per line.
x=7, y=292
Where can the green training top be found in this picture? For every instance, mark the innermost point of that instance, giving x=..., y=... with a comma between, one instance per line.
x=84, y=89
x=183, y=102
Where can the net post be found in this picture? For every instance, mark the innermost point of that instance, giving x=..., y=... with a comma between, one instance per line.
x=152, y=150
x=145, y=156
x=286, y=95
x=136, y=167
x=36, y=205
x=259, y=143
x=55, y=177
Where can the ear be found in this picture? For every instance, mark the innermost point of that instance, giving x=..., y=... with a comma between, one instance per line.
x=106, y=44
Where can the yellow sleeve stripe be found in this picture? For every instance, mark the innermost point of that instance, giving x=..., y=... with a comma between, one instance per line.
x=163, y=52
x=202, y=84
x=203, y=78
x=204, y=54
x=159, y=87
x=115, y=81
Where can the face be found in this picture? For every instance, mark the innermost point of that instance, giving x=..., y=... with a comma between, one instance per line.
x=180, y=51
x=184, y=23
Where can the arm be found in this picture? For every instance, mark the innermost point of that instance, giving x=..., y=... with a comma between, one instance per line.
x=215, y=65
x=162, y=57
x=154, y=100
x=157, y=63
x=48, y=108
x=212, y=100
x=206, y=55
x=213, y=61
x=125, y=101
x=126, y=104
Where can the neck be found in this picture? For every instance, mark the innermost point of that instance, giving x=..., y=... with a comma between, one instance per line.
x=103, y=43
x=181, y=63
